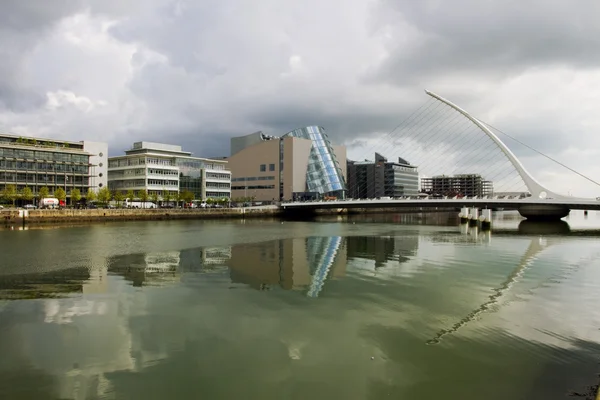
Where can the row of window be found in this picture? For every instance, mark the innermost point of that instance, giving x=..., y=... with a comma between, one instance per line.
x=166, y=172
x=23, y=177
x=263, y=167
x=44, y=155
x=162, y=182
x=254, y=178
x=259, y=187
x=214, y=185
x=213, y=175
x=42, y=166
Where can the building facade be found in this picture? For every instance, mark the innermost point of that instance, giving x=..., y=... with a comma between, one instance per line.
x=158, y=167
x=458, y=185
x=35, y=163
x=381, y=178
x=300, y=164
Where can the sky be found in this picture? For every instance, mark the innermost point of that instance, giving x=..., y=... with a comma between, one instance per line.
x=198, y=72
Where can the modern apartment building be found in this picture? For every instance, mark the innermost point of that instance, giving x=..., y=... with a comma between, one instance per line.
x=457, y=185
x=382, y=178
x=158, y=167
x=299, y=164
x=36, y=163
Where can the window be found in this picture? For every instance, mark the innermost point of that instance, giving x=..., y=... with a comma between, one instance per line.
x=271, y=167
x=100, y=174
x=263, y=167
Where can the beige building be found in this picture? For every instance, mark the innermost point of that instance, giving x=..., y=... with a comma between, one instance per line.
x=301, y=164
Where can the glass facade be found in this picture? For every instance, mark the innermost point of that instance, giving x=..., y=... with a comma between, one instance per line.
x=28, y=165
x=323, y=175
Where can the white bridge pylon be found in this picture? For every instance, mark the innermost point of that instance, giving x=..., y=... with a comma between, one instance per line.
x=535, y=188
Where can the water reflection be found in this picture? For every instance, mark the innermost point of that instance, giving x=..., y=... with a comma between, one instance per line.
x=515, y=317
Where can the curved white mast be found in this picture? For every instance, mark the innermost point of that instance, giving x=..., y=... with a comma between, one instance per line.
x=535, y=188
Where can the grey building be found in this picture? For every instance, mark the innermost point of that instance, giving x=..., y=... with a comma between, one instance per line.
x=457, y=185
x=382, y=178
x=37, y=162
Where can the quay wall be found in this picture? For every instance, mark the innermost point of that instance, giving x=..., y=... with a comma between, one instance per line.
x=35, y=217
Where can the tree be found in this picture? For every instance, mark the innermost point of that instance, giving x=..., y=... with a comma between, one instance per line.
x=166, y=196
x=154, y=198
x=224, y=201
x=177, y=198
x=10, y=194
x=187, y=196
x=27, y=194
x=104, y=195
x=118, y=197
x=75, y=196
x=43, y=193
x=90, y=196
x=143, y=196
x=60, y=194
x=210, y=201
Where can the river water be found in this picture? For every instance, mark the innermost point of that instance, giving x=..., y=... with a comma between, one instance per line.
x=371, y=307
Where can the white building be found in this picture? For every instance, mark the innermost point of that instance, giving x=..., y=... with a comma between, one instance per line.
x=157, y=167
x=98, y=152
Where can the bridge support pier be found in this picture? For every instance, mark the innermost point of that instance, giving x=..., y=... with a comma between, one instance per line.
x=542, y=212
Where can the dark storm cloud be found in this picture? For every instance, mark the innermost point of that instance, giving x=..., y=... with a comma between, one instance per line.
x=487, y=39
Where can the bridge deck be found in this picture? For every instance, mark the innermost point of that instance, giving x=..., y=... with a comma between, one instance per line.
x=574, y=204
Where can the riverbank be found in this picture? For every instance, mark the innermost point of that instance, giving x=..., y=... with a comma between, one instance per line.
x=16, y=217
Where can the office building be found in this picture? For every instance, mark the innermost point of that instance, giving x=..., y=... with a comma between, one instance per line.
x=157, y=167
x=36, y=163
x=300, y=164
x=458, y=185
x=382, y=178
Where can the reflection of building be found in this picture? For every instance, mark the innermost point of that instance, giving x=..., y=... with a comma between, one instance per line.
x=301, y=163
x=146, y=269
x=382, y=249
x=379, y=178
x=297, y=264
x=465, y=185
x=36, y=163
x=43, y=285
x=157, y=167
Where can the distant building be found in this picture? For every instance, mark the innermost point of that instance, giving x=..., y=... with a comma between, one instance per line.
x=457, y=185
x=300, y=164
x=37, y=162
x=382, y=178
x=157, y=167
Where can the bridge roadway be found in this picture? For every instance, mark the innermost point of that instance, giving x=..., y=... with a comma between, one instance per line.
x=529, y=207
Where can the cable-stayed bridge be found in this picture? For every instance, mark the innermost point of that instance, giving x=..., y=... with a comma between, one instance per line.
x=445, y=143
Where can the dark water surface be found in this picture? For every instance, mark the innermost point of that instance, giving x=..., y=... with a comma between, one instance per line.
x=375, y=307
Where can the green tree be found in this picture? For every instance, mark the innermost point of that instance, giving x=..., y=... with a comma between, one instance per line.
x=43, y=193
x=118, y=197
x=166, y=196
x=60, y=194
x=210, y=201
x=143, y=196
x=10, y=194
x=27, y=194
x=187, y=196
x=154, y=198
x=90, y=196
x=75, y=196
x=104, y=195
x=177, y=198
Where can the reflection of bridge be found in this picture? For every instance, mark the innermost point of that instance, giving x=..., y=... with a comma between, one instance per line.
x=443, y=149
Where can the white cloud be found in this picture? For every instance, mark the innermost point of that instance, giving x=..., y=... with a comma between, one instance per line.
x=198, y=73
